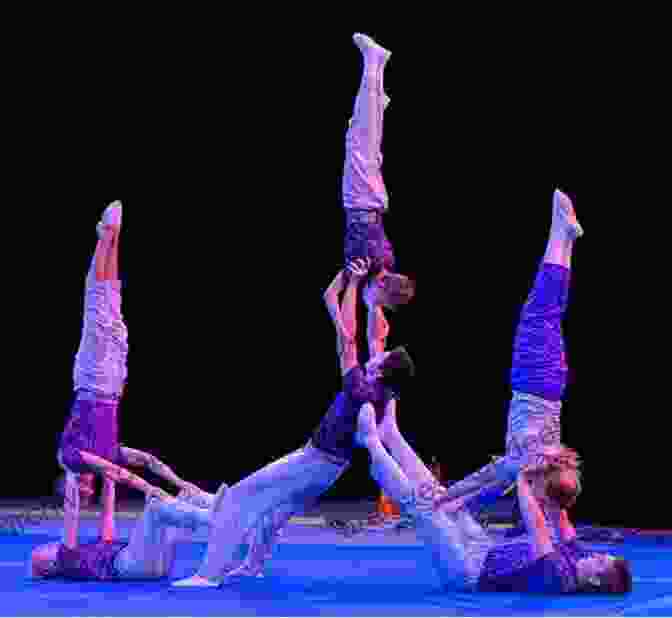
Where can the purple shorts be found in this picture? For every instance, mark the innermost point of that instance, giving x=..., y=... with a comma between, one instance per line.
x=365, y=238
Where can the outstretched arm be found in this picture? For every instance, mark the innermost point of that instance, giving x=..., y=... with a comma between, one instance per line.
x=567, y=530
x=348, y=348
x=146, y=460
x=121, y=475
x=533, y=516
x=377, y=330
x=331, y=299
x=70, y=510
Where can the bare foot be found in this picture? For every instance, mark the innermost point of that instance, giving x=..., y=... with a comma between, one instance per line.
x=369, y=47
x=196, y=580
x=564, y=215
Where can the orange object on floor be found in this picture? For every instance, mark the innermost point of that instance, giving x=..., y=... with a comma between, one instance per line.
x=387, y=507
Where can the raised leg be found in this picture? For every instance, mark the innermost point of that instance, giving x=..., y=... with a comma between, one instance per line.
x=112, y=265
x=105, y=262
x=296, y=478
x=364, y=194
x=445, y=536
x=363, y=186
x=150, y=553
x=411, y=465
x=539, y=365
x=100, y=363
x=98, y=268
x=151, y=549
x=539, y=368
x=565, y=229
x=262, y=538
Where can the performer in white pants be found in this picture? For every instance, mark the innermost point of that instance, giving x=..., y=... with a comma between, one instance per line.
x=538, y=373
x=465, y=556
x=150, y=552
x=293, y=483
x=99, y=381
x=365, y=201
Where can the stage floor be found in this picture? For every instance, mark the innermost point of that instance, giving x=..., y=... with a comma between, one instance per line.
x=316, y=571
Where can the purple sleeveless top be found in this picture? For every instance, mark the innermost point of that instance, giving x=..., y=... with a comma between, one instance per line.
x=509, y=567
x=88, y=561
x=336, y=433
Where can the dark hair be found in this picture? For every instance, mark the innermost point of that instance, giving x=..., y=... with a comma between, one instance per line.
x=620, y=577
x=616, y=580
x=397, y=368
x=564, y=496
x=396, y=289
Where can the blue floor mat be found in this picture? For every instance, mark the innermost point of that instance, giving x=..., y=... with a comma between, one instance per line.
x=317, y=571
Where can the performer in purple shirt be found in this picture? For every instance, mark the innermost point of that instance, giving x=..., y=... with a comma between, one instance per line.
x=465, y=556
x=150, y=551
x=99, y=376
x=99, y=381
x=287, y=486
x=539, y=370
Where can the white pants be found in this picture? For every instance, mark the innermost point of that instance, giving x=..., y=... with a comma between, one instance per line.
x=457, y=543
x=262, y=503
x=151, y=549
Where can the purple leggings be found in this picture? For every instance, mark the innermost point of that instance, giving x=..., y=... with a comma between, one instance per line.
x=539, y=366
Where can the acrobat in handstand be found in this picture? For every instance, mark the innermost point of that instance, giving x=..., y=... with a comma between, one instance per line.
x=99, y=382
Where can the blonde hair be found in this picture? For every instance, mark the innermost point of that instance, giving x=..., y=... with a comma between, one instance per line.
x=556, y=488
x=41, y=564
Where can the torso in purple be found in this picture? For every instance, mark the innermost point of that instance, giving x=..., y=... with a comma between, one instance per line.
x=92, y=427
x=368, y=240
x=88, y=561
x=509, y=567
x=335, y=434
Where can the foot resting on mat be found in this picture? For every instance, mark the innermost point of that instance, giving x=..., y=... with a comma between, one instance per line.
x=195, y=581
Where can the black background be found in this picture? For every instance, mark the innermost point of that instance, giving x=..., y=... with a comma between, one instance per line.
x=225, y=144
